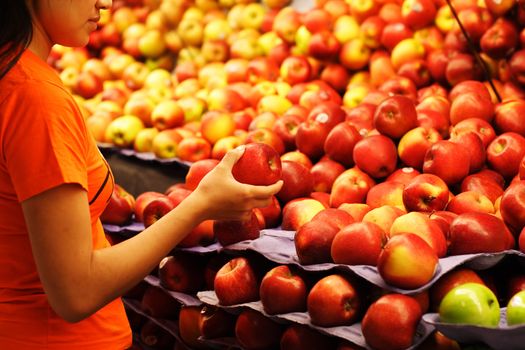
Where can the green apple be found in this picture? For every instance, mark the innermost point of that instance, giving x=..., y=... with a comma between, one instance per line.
x=470, y=303
x=516, y=309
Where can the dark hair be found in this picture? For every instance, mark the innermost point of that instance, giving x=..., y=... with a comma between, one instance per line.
x=16, y=31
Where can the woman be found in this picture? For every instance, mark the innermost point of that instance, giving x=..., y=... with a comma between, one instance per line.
x=60, y=280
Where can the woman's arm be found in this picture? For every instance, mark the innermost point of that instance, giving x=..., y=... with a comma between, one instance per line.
x=78, y=281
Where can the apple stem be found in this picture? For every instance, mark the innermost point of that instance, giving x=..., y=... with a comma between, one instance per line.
x=472, y=48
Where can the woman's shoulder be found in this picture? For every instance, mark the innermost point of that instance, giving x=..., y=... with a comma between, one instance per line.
x=31, y=76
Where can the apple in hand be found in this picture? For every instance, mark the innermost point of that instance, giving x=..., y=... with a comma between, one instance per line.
x=260, y=164
x=333, y=301
x=407, y=261
x=470, y=304
x=120, y=207
x=516, y=309
x=236, y=282
x=283, y=290
x=391, y=312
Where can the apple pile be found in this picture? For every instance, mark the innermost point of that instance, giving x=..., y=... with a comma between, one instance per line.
x=401, y=141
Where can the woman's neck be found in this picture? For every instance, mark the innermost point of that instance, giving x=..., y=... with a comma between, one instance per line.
x=40, y=44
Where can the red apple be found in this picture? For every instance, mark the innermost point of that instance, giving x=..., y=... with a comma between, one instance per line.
x=359, y=243
x=500, y=40
x=200, y=235
x=189, y=326
x=471, y=105
x=269, y=216
x=232, y=231
x=286, y=128
x=470, y=201
x=509, y=116
x=313, y=241
x=482, y=184
x=393, y=33
x=259, y=165
x=299, y=211
x=418, y=13
x=156, y=209
x=302, y=337
x=426, y=193
x=255, y=331
x=415, y=143
x=351, y=186
x=283, y=290
x=512, y=206
x=386, y=193
x=505, y=152
x=120, y=207
x=407, y=261
x=376, y=155
x=198, y=170
x=340, y=142
x=215, y=322
x=403, y=175
x=266, y=136
x=324, y=173
x=420, y=224
x=383, y=216
x=333, y=301
x=236, y=282
x=181, y=273
x=297, y=181
x=156, y=302
x=481, y=127
x=477, y=152
x=473, y=232
x=448, y=160
x=391, y=311
x=395, y=116
x=461, y=67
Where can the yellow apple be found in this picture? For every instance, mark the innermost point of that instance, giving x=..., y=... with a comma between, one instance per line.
x=122, y=130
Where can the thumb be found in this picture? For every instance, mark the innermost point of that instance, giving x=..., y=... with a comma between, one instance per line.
x=233, y=156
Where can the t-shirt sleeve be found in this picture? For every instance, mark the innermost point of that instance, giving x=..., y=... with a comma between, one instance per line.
x=45, y=140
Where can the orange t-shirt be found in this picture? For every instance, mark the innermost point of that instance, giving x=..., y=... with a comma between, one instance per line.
x=44, y=143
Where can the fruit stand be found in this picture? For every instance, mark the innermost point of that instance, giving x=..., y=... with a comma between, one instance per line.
x=398, y=129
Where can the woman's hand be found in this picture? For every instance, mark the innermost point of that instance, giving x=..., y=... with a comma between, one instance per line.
x=221, y=197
